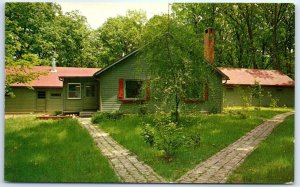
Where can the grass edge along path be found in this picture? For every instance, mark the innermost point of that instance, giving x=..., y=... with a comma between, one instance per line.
x=52, y=151
x=272, y=161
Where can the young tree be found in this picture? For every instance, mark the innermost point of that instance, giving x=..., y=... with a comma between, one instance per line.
x=257, y=92
x=174, y=57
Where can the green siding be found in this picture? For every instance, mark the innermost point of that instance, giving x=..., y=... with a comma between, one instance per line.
x=130, y=69
x=109, y=84
x=215, y=97
x=25, y=100
x=84, y=103
x=233, y=96
x=54, y=103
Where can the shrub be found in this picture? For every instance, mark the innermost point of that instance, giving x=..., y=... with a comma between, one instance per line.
x=143, y=110
x=194, y=139
x=168, y=138
x=148, y=134
x=241, y=114
x=57, y=113
x=274, y=102
x=102, y=116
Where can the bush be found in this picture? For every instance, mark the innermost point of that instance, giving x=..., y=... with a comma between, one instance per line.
x=57, y=113
x=148, y=134
x=194, y=139
x=102, y=116
x=241, y=114
x=168, y=137
x=143, y=110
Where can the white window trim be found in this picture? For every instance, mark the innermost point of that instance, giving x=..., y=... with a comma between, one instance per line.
x=136, y=98
x=69, y=90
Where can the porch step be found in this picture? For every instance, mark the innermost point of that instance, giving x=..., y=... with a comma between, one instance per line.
x=86, y=113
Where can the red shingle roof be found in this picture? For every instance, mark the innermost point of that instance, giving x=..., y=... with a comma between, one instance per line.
x=51, y=79
x=242, y=76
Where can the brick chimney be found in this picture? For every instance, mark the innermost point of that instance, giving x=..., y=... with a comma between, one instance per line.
x=209, y=51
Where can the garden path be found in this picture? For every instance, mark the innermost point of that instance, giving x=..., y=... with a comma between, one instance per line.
x=125, y=163
x=217, y=168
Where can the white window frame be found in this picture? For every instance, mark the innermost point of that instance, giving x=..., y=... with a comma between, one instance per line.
x=69, y=91
x=135, y=98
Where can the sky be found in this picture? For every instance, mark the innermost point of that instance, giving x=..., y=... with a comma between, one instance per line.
x=97, y=13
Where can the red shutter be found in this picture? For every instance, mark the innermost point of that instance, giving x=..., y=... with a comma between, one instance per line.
x=206, y=93
x=148, y=90
x=121, y=89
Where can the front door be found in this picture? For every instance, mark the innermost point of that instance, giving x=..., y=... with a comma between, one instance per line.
x=90, y=96
x=41, y=101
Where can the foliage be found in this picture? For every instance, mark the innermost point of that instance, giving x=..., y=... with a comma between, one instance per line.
x=174, y=58
x=245, y=97
x=120, y=35
x=248, y=35
x=273, y=100
x=102, y=116
x=52, y=151
x=148, y=134
x=257, y=92
x=143, y=110
x=168, y=137
x=57, y=113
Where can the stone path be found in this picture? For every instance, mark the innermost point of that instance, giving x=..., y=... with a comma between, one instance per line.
x=217, y=168
x=125, y=163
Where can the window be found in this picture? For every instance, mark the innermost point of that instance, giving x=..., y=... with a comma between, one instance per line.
x=133, y=89
x=90, y=90
x=55, y=95
x=74, y=91
x=196, y=93
x=41, y=94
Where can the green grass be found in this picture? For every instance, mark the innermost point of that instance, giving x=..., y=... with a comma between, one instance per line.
x=218, y=131
x=272, y=161
x=52, y=151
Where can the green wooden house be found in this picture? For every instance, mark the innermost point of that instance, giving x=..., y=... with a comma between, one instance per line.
x=116, y=87
x=277, y=88
x=57, y=89
x=125, y=86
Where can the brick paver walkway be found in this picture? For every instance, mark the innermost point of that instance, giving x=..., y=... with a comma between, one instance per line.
x=218, y=167
x=125, y=163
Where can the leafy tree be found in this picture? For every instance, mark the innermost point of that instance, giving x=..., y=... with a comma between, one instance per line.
x=25, y=42
x=120, y=35
x=173, y=54
x=247, y=35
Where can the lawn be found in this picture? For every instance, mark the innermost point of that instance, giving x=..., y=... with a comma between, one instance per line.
x=52, y=151
x=217, y=132
x=272, y=161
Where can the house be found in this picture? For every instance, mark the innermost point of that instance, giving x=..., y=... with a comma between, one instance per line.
x=276, y=87
x=125, y=86
x=50, y=93
x=115, y=87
